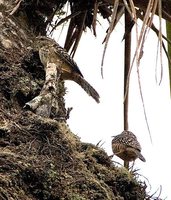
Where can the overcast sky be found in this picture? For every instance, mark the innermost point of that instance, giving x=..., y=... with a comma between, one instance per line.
x=93, y=122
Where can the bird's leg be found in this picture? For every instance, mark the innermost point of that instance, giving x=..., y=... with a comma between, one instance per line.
x=131, y=168
x=126, y=164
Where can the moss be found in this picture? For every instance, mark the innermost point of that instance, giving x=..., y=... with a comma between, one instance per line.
x=50, y=162
x=42, y=159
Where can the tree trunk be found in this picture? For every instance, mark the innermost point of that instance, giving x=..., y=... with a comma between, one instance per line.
x=41, y=158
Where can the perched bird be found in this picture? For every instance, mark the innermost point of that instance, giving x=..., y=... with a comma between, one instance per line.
x=127, y=147
x=51, y=52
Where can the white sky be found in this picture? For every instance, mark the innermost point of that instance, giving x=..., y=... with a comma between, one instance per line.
x=93, y=122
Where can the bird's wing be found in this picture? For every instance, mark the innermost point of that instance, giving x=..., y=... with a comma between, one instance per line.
x=67, y=58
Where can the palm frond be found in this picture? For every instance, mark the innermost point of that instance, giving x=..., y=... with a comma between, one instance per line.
x=168, y=29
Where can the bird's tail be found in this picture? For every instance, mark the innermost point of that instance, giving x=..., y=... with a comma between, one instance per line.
x=141, y=157
x=86, y=86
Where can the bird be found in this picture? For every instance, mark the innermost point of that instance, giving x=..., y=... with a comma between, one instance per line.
x=51, y=52
x=127, y=147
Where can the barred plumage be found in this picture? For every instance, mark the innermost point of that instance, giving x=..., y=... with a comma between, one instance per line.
x=50, y=51
x=127, y=147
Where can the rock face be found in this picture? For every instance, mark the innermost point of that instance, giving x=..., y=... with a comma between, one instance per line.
x=40, y=158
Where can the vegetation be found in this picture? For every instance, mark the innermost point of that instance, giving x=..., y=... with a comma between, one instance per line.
x=40, y=157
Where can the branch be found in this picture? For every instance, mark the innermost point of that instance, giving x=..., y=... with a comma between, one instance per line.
x=128, y=21
x=43, y=103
